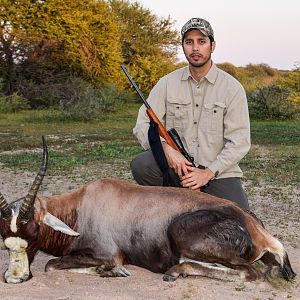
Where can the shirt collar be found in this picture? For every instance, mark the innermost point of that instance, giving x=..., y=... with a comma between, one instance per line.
x=211, y=76
x=186, y=74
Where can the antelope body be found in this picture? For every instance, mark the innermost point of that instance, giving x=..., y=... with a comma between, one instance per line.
x=107, y=224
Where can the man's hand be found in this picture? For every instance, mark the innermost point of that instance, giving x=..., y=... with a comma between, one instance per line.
x=195, y=178
x=176, y=160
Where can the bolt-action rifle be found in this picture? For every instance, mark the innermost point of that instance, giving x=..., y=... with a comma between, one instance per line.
x=171, y=136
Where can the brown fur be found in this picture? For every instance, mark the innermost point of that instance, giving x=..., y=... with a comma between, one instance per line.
x=151, y=227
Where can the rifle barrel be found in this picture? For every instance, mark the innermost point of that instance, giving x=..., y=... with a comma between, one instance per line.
x=162, y=131
x=135, y=86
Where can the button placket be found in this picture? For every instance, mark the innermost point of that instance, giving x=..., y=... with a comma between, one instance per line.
x=195, y=92
x=197, y=99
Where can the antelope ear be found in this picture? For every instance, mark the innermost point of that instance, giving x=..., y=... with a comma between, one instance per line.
x=58, y=225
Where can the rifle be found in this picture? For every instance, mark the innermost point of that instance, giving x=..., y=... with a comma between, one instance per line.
x=171, y=136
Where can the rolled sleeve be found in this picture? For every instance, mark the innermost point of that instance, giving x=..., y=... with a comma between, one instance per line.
x=141, y=128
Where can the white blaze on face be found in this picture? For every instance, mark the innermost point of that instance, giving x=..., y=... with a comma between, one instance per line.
x=13, y=223
x=18, y=269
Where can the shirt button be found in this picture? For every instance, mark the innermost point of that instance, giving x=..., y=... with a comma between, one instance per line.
x=195, y=122
x=197, y=105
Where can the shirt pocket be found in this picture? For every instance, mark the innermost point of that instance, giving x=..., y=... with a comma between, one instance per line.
x=177, y=113
x=213, y=117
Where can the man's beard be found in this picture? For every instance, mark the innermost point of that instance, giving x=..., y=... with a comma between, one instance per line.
x=198, y=64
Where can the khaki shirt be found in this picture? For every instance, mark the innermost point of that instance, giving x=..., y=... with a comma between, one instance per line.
x=211, y=117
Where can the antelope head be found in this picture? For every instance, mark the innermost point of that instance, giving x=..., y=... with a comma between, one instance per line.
x=19, y=230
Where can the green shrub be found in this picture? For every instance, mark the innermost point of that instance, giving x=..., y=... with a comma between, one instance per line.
x=94, y=102
x=75, y=96
x=291, y=81
x=260, y=69
x=272, y=102
x=229, y=68
x=59, y=90
x=13, y=103
x=90, y=103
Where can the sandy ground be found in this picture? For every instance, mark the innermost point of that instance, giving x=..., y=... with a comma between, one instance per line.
x=143, y=284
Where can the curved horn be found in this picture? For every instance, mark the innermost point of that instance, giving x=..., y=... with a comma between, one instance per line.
x=4, y=208
x=26, y=209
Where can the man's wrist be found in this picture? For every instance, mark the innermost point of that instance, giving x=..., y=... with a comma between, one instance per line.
x=210, y=174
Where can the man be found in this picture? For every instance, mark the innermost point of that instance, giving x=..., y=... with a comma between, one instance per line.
x=208, y=108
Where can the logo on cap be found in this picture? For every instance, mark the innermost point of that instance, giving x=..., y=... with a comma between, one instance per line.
x=197, y=23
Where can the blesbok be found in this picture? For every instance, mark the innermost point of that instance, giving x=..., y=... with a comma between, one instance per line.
x=105, y=224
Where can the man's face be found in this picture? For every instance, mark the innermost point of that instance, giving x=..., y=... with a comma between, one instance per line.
x=197, y=48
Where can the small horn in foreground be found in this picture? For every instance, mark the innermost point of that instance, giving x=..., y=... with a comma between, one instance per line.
x=27, y=210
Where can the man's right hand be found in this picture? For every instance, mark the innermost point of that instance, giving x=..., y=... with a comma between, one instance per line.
x=176, y=160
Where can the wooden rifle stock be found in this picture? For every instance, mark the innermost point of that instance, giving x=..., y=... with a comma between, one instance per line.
x=162, y=130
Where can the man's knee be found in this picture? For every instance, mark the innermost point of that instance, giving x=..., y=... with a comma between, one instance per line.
x=137, y=166
x=145, y=170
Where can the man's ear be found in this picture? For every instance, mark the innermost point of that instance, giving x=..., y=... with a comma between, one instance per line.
x=213, y=46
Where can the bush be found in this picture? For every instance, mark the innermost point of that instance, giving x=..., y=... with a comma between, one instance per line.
x=94, y=102
x=91, y=103
x=230, y=69
x=59, y=90
x=66, y=91
x=13, y=103
x=291, y=81
x=260, y=69
x=272, y=102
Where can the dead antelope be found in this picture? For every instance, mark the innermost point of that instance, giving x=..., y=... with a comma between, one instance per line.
x=105, y=224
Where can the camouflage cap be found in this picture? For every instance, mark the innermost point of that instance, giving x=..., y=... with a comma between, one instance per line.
x=200, y=24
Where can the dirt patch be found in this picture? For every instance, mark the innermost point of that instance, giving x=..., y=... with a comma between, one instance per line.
x=277, y=206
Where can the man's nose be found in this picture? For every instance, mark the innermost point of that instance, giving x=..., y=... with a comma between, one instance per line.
x=195, y=47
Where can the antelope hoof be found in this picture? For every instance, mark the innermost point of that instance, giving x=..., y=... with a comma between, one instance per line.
x=120, y=271
x=169, y=278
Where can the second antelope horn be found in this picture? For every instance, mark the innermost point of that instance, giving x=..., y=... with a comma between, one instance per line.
x=26, y=210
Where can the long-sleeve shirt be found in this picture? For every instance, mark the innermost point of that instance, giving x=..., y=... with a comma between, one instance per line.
x=211, y=117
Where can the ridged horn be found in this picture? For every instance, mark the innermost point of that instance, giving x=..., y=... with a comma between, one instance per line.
x=26, y=209
x=4, y=208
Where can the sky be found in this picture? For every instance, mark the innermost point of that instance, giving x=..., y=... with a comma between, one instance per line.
x=252, y=31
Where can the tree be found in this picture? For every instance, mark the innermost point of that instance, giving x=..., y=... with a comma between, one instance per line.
x=12, y=15
x=149, y=44
x=80, y=36
x=45, y=43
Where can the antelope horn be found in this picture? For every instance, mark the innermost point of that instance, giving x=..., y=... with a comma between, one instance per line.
x=26, y=209
x=4, y=208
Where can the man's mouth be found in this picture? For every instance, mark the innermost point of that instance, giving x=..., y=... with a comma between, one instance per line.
x=196, y=56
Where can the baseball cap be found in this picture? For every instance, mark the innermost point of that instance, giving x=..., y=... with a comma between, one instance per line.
x=200, y=24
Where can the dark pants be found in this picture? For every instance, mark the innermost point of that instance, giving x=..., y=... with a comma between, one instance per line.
x=145, y=171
